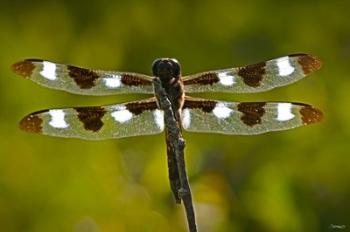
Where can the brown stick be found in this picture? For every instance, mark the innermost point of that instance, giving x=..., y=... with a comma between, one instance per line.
x=178, y=144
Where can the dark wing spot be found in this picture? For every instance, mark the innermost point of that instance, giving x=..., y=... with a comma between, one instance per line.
x=91, y=117
x=252, y=74
x=134, y=80
x=205, y=105
x=208, y=78
x=309, y=63
x=31, y=123
x=24, y=68
x=310, y=115
x=252, y=112
x=84, y=78
x=138, y=107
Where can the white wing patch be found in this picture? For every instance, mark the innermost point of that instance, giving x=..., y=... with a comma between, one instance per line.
x=113, y=82
x=284, y=112
x=122, y=115
x=222, y=111
x=284, y=66
x=57, y=119
x=226, y=79
x=186, y=118
x=49, y=70
x=159, y=118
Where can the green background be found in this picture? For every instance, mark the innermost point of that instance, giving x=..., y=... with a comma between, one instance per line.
x=295, y=180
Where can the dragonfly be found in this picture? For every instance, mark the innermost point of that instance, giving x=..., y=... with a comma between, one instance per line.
x=145, y=117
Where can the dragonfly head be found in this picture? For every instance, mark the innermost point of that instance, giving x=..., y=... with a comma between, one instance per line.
x=167, y=69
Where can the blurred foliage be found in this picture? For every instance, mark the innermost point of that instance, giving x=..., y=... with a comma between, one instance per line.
x=295, y=180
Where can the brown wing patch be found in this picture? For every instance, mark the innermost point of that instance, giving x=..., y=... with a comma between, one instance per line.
x=31, y=123
x=309, y=63
x=205, y=105
x=253, y=74
x=252, y=112
x=138, y=107
x=23, y=68
x=310, y=115
x=134, y=80
x=84, y=78
x=91, y=117
x=204, y=79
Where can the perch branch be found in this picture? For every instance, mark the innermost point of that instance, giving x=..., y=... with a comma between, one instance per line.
x=178, y=144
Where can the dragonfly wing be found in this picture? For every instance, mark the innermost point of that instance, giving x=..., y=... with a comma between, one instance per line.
x=258, y=77
x=247, y=118
x=97, y=123
x=81, y=80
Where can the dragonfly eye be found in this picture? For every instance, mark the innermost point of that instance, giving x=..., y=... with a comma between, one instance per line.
x=176, y=67
x=166, y=68
x=155, y=66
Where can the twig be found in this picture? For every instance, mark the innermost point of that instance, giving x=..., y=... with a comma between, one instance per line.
x=178, y=144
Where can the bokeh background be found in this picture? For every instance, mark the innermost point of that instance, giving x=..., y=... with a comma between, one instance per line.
x=295, y=180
